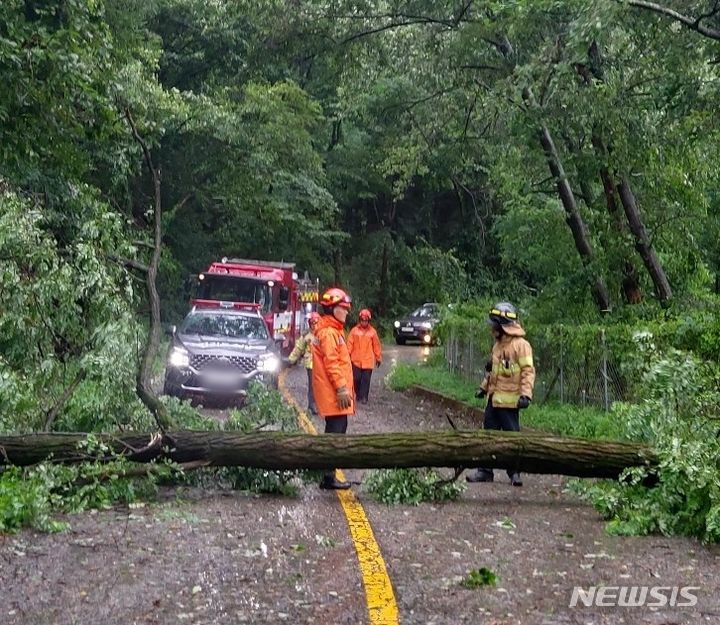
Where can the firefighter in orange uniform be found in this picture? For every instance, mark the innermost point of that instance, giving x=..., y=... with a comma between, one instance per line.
x=332, y=371
x=365, y=353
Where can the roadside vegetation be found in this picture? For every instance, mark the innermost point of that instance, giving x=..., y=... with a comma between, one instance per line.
x=36, y=496
x=553, y=417
x=675, y=407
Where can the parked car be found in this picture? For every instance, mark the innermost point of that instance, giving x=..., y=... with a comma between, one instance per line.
x=419, y=325
x=217, y=352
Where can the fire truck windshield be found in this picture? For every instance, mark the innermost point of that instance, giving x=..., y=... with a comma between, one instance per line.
x=236, y=289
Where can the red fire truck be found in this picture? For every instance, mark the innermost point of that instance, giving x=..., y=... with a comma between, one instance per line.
x=283, y=299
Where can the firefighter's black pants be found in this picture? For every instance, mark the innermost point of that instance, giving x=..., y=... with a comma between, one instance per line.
x=310, y=395
x=507, y=419
x=361, y=381
x=335, y=425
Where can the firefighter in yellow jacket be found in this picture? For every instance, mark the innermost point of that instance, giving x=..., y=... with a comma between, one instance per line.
x=303, y=349
x=508, y=382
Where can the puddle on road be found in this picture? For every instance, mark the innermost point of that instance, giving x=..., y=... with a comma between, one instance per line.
x=407, y=353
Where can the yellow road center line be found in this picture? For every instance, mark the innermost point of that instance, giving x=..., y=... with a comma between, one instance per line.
x=379, y=595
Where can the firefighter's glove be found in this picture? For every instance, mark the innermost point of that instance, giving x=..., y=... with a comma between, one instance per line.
x=343, y=398
x=377, y=364
x=488, y=366
x=480, y=393
x=523, y=402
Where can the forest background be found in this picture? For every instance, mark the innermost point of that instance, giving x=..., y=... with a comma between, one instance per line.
x=559, y=154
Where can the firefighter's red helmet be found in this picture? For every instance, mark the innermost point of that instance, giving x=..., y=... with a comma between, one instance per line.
x=336, y=297
x=314, y=317
x=365, y=315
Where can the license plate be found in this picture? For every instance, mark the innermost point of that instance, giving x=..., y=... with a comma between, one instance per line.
x=223, y=379
x=406, y=329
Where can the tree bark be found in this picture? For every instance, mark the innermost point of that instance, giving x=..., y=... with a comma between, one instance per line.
x=642, y=242
x=529, y=453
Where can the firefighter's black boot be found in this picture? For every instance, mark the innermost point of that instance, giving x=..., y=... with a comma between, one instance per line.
x=515, y=479
x=330, y=482
x=481, y=475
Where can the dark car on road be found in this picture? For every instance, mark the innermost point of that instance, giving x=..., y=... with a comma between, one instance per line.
x=216, y=353
x=419, y=325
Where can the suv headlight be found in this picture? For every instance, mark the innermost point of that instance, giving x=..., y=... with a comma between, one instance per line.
x=268, y=363
x=427, y=325
x=397, y=324
x=179, y=357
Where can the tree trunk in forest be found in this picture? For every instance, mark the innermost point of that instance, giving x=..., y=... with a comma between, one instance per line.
x=632, y=291
x=574, y=220
x=529, y=453
x=642, y=242
x=384, y=277
x=337, y=266
x=631, y=282
x=573, y=217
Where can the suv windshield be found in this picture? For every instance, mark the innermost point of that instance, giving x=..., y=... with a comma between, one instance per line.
x=219, y=324
x=425, y=311
x=234, y=289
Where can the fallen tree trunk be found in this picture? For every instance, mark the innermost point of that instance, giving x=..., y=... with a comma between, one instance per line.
x=529, y=453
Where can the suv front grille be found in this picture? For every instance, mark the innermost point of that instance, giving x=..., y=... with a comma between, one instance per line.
x=244, y=364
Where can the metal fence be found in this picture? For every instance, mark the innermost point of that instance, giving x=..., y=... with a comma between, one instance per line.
x=587, y=375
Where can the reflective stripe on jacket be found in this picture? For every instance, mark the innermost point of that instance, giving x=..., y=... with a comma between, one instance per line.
x=364, y=347
x=303, y=348
x=513, y=371
x=331, y=368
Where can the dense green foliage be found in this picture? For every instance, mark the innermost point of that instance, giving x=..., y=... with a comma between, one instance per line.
x=680, y=417
x=411, y=486
x=34, y=496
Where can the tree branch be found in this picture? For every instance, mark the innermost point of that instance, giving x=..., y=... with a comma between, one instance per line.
x=55, y=410
x=130, y=263
x=379, y=29
x=144, y=385
x=689, y=22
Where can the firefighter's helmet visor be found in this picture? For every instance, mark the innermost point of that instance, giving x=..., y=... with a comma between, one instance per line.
x=503, y=313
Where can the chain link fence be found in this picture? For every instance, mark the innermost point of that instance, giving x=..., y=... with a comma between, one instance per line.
x=586, y=375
